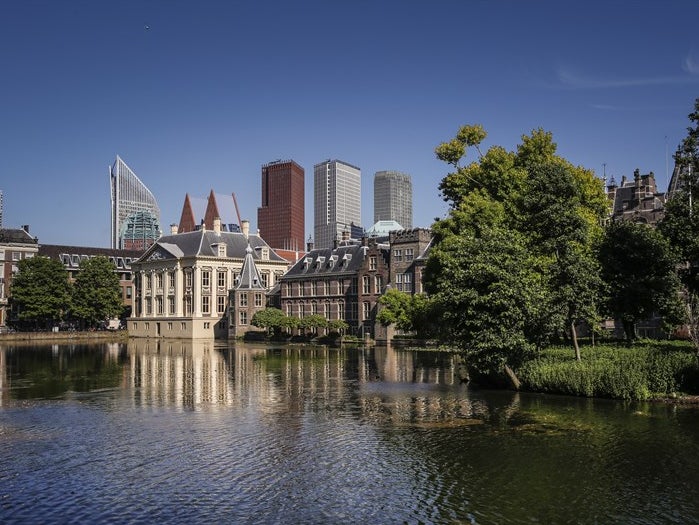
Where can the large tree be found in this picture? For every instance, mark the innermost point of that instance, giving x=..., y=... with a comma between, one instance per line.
x=680, y=223
x=96, y=292
x=509, y=264
x=561, y=212
x=40, y=292
x=639, y=268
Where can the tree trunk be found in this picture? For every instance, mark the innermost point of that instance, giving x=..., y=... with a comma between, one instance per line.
x=629, y=330
x=574, y=335
x=512, y=377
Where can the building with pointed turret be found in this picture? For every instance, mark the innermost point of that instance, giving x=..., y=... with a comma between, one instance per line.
x=246, y=298
x=182, y=283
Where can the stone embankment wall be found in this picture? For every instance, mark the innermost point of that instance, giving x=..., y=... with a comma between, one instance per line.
x=67, y=337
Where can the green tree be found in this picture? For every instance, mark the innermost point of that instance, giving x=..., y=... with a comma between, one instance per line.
x=680, y=224
x=562, y=208
x=272, y=319
x=40, y=292
x=638, y=266
x=509, y=266
x=337, y=325
x=313, y=322
x=96, y=292
x=410, y=313
x=487, y=292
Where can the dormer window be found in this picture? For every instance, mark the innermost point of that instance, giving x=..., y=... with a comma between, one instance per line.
x=220, y=249
x=307, y=262
x=320, y=261
x=333, y=260
x=264, y=254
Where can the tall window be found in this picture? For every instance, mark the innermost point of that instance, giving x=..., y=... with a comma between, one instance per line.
x=188, y=279
x=378, y=284
x=206, y=305
x=265, y=279
x=220, y=304
x=258, y=300
x=158, y=280
x=222, y=278
x=206, y=278
x=243, y=317
x=171, y=279
x=243, y=301
x=397, y=255
x=314, y=308
x=407, y=282
x=372, y=262
x=159, y=305
x=366, y=284
x=366, y=310
x=408, y=254
x=171, y=305
x=146, y=281
x=188, y=305
x=399, y=282
x=314, y=288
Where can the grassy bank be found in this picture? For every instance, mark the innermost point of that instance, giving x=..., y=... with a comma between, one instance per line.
x=654, y=369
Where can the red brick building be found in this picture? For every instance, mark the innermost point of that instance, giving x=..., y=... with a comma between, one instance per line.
x=281, y=218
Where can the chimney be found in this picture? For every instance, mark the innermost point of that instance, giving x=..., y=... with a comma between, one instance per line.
x=245, y=227
x=345, y=235
x=173, y=229
x=217, y=224
x=309, y=244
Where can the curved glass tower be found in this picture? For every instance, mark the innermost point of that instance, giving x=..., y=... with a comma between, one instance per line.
x=135, y=213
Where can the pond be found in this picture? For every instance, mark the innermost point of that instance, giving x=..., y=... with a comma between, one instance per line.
x=182, y=432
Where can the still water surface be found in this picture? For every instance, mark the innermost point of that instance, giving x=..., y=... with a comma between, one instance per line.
x=175, y=432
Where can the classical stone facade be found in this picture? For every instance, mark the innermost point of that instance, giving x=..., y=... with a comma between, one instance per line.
x=182, y=282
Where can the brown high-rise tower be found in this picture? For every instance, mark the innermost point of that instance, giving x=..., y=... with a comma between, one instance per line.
x=281, y=218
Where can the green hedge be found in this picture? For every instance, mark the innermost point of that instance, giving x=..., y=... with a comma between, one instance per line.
x=639, y=372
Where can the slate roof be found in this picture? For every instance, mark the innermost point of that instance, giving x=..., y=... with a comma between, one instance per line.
x=249, y=278
x=16, y=235
x=202, y=243
x=345, y=259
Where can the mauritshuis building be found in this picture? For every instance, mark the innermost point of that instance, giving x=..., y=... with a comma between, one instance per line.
x=135, y=223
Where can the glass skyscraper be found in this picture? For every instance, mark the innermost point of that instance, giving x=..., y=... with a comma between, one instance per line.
x=393, y=198
x=135, y=213
x=337, y=198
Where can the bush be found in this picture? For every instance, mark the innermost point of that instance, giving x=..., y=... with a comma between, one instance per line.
x=640, y=372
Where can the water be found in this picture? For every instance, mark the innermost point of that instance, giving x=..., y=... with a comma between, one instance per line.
x=173, y=432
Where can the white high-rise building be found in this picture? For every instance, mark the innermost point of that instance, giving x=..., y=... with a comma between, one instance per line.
x=135, y=213
x=393, y=198
x=337, y=198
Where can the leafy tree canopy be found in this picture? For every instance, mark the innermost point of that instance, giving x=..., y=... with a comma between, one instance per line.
x=40, y=291
x=96, y=292
x=638, y=266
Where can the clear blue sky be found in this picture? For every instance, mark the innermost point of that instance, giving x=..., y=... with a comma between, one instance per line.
x=197, y=95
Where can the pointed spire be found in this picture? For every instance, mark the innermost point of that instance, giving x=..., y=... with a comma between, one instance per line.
x=249, y=274
x=211, y=211
x=187, y=222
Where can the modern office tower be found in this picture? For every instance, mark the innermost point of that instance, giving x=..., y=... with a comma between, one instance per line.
x=135, y=213
x=337, y=198
x=281, y=218
x=393, y=198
